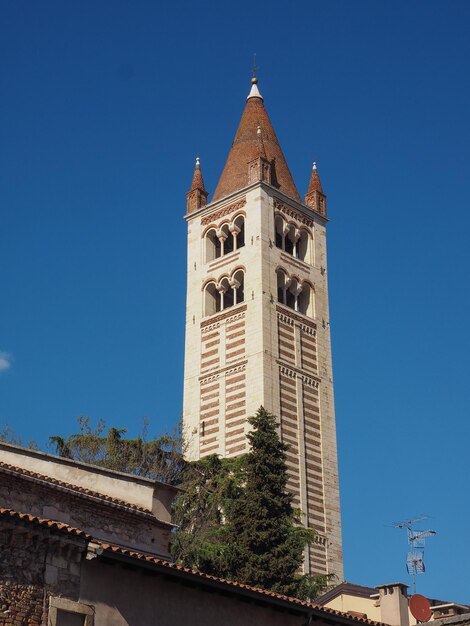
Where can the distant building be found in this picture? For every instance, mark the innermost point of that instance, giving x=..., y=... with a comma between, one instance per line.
x=387, y=604
x=84, y=546
x=257, y=322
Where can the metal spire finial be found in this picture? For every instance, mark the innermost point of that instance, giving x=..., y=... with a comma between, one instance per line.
x=255, y=68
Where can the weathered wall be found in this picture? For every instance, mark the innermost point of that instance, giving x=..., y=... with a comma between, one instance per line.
x=99, y=519
x=141, y=492
x=33, y=566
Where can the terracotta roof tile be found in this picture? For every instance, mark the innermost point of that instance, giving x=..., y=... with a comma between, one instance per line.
x=140, y=556
x=46, y=523
x=311, y=605
x=81, y=490
x=245, y=148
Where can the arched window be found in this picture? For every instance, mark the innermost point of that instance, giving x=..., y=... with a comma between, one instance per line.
x=238, y=229
x=279, y=232
x=211, y=299
x=294, y=294
x=306, y=300
x=238, y=283
x=227, y=239
x=282, y=285
x=303, y=246
x=213, y=246
x=226, y=293
x=290, y=239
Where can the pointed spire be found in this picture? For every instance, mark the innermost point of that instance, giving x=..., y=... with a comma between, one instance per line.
x=198, y=181
x=197, y=195
x=315, y=197
x=246, y=148
x=315, y=183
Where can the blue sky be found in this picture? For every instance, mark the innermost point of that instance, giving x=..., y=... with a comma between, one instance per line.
x=103, y=108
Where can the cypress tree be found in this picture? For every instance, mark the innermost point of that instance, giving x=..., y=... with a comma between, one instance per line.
x=266, y=544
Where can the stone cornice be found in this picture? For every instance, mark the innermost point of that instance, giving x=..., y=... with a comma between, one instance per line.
x=232, y=312
x=309, y=325
x=295, y=372
x=228, y=369
x=240, y=194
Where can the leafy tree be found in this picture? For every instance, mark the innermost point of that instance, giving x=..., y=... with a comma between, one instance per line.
x=8, y=435
x=237, y=521
x=158, y=459
x=209, y=486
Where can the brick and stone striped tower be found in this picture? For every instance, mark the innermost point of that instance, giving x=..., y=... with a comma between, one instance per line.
x=257, y=322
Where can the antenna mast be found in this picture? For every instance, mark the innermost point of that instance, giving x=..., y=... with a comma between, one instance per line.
x=416, y=540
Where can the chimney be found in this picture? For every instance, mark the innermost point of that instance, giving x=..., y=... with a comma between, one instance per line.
x=393, y=599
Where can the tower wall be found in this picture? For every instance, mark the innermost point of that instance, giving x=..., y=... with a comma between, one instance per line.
x=262, y=352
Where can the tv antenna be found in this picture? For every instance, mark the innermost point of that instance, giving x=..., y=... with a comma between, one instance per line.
x=416, y=541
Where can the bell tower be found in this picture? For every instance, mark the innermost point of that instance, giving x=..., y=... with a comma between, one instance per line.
x=257, y=322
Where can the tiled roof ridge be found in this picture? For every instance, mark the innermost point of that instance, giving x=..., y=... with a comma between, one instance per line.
x=174, y=566
x=81, y=490
x=41, y=521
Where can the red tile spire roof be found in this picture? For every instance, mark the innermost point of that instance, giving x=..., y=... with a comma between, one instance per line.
x=198, y=181
x=315, y=183
x=196, y=198
x=246, y=147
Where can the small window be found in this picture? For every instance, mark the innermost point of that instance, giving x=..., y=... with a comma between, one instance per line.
x=211, y=299
x=306, y=300
x=239, y=232
x=279, y=232
x=66, y=618
x=226, y=294
x=297, y=296
x=227, y=239
x=213, y=246
x=64, y=612
x=281, y=286
x=289, y=240
x=302, y=248
x=238, y=282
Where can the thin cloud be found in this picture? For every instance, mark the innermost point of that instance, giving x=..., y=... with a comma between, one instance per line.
x=5, y=361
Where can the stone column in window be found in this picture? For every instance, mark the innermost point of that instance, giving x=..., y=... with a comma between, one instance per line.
x=235, y=284
x=221, y=289
x=234, y=229
x=222, y=237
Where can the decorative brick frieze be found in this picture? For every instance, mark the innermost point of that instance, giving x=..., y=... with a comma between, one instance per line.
x=289, y=317
x=291, y=212
x=222, y=212
x=208, y=379
x=233, y=313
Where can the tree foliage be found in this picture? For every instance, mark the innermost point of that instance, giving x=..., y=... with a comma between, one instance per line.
x=8, y=435
x=237, y=521
x=158, y=459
